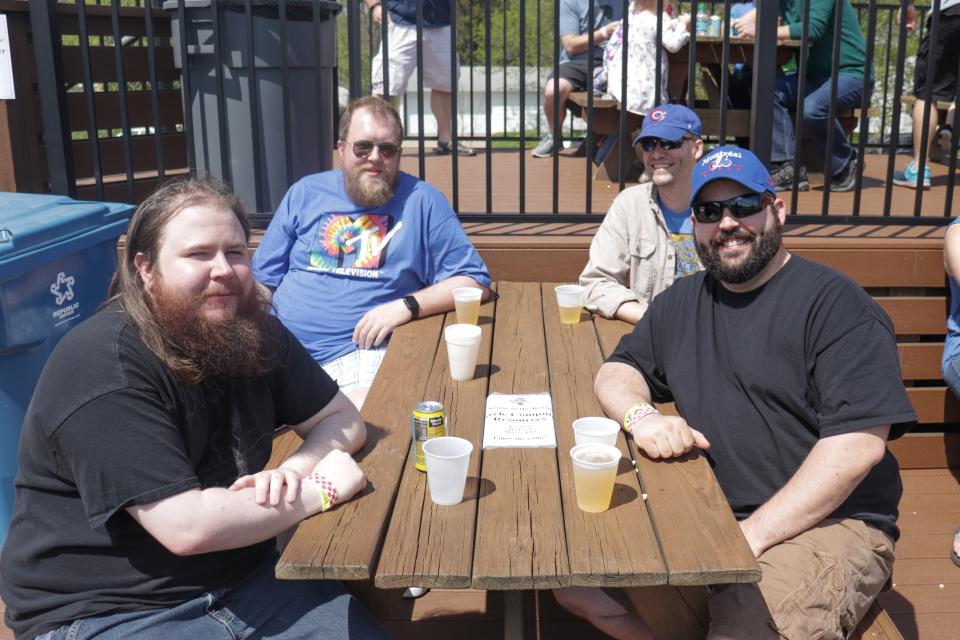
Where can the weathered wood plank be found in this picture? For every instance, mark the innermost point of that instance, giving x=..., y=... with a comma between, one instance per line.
x=876, y=625
x=934, y=405
x=520, y=540
x=319, y=549
x=436, y=548
x=699, y=536
x=927, y=450
x=916, y=315
x=920, y=360
x=617, y=547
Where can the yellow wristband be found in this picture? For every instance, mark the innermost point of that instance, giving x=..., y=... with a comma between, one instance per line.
x=636, y=412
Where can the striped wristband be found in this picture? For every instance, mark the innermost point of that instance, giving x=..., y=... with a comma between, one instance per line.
x=635, y=413
x=328, y=492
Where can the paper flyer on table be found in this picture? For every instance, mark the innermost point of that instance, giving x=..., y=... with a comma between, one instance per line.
x=519, y=420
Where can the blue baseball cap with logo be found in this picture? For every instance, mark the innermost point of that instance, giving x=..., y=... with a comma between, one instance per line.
x=731, y=163
x=670, y=122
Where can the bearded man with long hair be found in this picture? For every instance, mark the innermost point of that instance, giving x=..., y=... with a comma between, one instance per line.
x=142, y=505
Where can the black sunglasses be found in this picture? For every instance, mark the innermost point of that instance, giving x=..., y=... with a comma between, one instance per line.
x=739, y=207
x=649, y=144
x=363, y=148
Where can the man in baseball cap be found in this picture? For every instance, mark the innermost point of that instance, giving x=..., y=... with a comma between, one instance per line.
x=646, y=240
x=787, y=372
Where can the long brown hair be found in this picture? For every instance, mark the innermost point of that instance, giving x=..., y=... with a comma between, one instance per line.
x=144, y=235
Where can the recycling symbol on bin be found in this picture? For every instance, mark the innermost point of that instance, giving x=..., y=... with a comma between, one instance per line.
x=62, y=289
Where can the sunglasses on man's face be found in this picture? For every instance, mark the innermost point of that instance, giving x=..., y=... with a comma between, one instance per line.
x=739, y=207
x=649, y=144
x=363, y=148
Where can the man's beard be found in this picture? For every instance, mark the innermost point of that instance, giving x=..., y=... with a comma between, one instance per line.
x=241, y=347
x=369, y=192
x=763, y=248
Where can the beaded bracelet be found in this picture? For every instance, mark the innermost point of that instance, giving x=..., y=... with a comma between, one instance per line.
x=635, y=413
x=328, y=492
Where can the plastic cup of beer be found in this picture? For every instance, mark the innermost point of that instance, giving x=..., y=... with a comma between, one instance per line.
x=594, y=472
x=570, y=301
x=447, y=460
x=595, y=429
x=466, y=300
x=463, y=345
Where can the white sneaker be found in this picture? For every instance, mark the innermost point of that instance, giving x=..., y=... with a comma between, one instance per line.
x=945, y=138
x=545, y=148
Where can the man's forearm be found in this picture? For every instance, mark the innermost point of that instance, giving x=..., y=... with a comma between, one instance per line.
x=832, y=470
x=619, y=387
x=438, y=298
x=336, y=426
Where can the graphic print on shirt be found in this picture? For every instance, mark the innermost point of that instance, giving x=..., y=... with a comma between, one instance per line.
x=688, y=262
x=352, y=246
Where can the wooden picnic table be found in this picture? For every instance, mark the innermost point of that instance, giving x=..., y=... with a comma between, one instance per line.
x=519, y=526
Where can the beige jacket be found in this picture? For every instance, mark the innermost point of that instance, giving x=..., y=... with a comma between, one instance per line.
x=631, y=257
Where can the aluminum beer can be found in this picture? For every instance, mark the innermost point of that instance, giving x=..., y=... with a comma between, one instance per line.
x=714, y=29
x=429, y=421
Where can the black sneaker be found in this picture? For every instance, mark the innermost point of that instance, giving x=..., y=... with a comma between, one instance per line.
x=847, y=178
x=444, y=148
x=783, y=178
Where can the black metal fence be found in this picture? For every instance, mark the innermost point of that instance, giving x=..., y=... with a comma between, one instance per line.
x=143, y=33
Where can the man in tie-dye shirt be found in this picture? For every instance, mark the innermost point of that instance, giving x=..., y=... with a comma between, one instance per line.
x=353, y=253
x=646, y=240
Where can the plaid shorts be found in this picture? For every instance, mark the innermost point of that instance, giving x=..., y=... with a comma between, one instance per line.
x=357, y=369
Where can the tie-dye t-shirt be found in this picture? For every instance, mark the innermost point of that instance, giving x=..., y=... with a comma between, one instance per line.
x=330, y=261
x=680, y=230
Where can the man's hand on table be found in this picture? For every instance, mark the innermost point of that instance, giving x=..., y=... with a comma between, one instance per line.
x=378, y=323
x=661, y=436
x=746, y=24
x=338, y=467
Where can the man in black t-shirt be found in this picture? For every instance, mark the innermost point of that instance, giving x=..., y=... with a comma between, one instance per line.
x=142, y=508
x=786, y=374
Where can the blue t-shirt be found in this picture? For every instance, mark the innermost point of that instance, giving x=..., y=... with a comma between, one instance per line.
x=330, y=261
x=436, y=13
x=680, y=230
x=575, y=20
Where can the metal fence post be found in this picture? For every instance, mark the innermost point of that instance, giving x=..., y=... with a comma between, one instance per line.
x=764, y=76
x=53, y=102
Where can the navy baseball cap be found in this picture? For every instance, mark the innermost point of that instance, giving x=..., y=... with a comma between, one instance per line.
x=731, y=163
x=670, y=122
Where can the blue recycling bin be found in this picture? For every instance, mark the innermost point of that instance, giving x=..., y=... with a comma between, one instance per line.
x=57, y=256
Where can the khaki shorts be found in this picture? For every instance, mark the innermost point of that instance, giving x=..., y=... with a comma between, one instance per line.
x=816, y=585
x=402, y=54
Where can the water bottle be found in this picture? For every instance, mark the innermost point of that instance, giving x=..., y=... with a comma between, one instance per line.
x=703, y=20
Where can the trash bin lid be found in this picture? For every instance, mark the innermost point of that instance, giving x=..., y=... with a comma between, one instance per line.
x=30, y=222
x=300, y=10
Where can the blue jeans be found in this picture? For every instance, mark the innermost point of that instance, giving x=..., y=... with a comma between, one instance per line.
x=816, y=110
x=951, y=375
x=260, y=607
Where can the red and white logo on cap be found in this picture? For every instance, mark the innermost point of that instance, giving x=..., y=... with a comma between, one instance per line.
x=658, y=115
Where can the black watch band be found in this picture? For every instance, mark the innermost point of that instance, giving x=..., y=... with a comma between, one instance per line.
x=413, y=305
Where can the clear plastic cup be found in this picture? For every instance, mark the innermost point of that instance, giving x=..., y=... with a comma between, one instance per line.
x=466, y=300
x=594, y=472
x=447, y=461
x=595, y=429
x=570, y=301
x=463, y=345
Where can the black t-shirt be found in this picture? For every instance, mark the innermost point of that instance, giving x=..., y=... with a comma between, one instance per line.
x=109, y=427
x=765, y=374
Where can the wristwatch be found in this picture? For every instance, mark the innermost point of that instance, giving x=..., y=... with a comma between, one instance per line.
x=413, y=305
